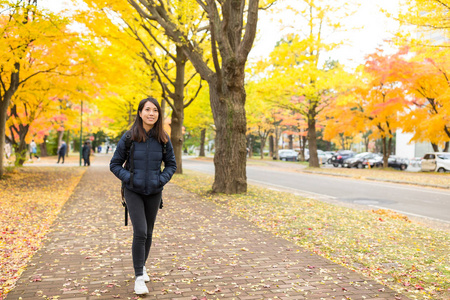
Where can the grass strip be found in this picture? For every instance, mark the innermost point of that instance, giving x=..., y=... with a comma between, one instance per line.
x=381, y=244
x=434, y=179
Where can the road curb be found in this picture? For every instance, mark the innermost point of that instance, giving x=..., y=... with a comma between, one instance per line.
x=412, y=183
x=380, y=179
x=325, y=173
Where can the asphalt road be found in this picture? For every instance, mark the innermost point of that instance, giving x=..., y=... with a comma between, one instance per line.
x=422, y=202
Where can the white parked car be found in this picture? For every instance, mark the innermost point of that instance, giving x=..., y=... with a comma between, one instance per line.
x=287, y=154
x=328, y=155
x=322, y=156
x=436, y=161
x=306, y=154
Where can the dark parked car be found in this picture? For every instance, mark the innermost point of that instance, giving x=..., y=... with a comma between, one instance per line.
x=358, y=160
x=375, y=161
x=393, y=162
x=338, y=159
x=397, y=162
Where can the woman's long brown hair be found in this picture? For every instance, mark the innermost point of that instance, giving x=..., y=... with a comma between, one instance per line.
x=138, y=133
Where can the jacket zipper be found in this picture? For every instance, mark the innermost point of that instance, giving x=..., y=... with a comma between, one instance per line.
x=146, y=166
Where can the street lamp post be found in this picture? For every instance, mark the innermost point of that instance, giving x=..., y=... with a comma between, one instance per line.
x=81, y=132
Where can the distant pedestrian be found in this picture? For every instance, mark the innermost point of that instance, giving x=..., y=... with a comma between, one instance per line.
x=150, y=146
x=8, y=150
x=62, y=152
x=33, y=150
x=86, y=152
x=99, y=149
x=107, y=149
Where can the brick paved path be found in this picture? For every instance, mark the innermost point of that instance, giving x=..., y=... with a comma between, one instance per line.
x=200, y=251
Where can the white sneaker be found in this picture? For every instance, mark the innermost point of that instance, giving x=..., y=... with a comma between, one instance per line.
x=146, y=278
x=139, y=286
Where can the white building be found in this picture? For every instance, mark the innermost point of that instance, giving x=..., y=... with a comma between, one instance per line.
x=405, y=148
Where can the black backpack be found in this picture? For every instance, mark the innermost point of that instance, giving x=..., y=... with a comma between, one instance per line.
x=129, y=165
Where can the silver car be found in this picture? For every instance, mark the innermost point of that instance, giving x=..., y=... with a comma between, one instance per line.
x=287, y=154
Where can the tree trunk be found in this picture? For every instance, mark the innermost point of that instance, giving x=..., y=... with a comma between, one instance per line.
x=21, y=153
x=178, y=110
x=291, y=141
x=312, y=143
x=366, y=143
x=5, y=100
x=435, y=147
x=271, y=151
x=302, y=148
x=250, y=146
x=302, y=143
x=342, y=141
x=385, y=152
x=230, y=143
x=60, y=138
x=275, y=144
x=389, y=146
x=130, y=113
x=202, y=142
x=446, y=147
x=231, y=41
x=176, y=137
x=21, y=147
x=67, y=144
x=43, y=147
x=263, y=144
x=163, y=107
x=3, y=110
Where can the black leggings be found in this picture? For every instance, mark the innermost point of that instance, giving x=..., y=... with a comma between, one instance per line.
x=143, y=210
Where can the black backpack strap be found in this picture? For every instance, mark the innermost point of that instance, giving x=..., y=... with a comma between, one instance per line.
x=164, y=153
x=129, y=165
x=124, y=203
x=129, y=147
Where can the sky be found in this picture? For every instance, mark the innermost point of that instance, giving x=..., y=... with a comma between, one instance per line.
x=374, y=27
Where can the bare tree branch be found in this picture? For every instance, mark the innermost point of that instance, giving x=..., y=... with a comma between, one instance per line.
x=195, y=96
x=163, y=86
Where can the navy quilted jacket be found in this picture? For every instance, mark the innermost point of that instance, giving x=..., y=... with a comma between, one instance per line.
x=148, y=178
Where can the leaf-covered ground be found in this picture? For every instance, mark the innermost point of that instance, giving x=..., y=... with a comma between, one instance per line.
x=30, y=201
x=380, y=244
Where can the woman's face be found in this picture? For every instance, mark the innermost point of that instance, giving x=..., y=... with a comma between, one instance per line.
x=149, y=115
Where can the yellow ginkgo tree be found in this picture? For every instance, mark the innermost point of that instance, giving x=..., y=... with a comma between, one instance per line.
x=199, y=122
x=31, y=47
x=259, y=113
x=143, y=39
x=428, y=83
x=307, y=81
x=231, y=27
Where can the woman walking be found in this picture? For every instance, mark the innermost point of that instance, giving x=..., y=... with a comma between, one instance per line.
x=143, y=179
x=33, y=150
